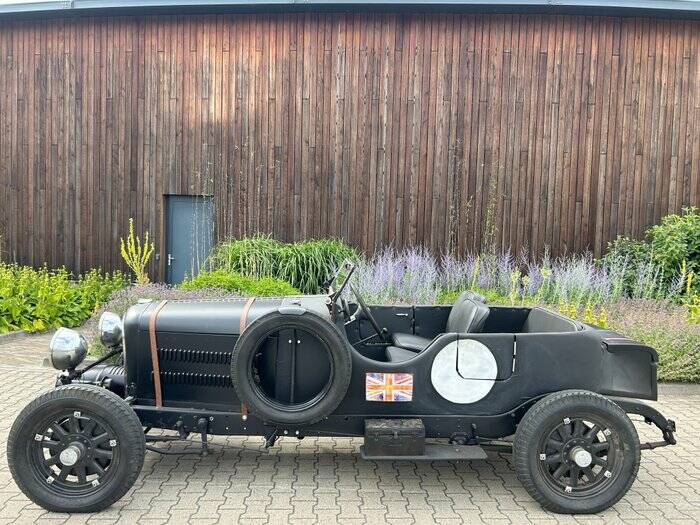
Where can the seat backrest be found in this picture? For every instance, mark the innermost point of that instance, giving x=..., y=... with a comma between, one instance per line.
x=541, y=320
x=467, y=315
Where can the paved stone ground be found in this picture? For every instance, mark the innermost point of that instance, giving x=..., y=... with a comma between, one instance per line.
x=324, y=481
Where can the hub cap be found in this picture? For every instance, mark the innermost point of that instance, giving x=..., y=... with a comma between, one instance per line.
x=70, y=455
x=580, y=456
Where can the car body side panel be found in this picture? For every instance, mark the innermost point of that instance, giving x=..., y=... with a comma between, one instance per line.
x=196, y=342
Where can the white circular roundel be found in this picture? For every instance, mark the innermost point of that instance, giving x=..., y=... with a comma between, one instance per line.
x=464, y=371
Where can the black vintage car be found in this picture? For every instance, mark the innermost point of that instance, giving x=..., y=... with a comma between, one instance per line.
x=417, y=382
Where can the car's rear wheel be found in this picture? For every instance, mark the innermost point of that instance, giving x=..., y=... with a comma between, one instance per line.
x=78, y=448
x=576, y=452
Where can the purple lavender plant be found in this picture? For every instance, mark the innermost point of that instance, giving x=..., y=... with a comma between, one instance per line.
x=410, y=276
x=415, y=276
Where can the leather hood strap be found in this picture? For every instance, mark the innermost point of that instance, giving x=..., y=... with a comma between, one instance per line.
x=244, y=315
x=154, y=352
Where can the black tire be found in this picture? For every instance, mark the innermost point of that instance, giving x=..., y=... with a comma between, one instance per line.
x=249, y=392
x=100, y=424
x=545, y=446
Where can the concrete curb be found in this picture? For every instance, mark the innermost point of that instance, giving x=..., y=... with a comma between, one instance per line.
x=12, y=336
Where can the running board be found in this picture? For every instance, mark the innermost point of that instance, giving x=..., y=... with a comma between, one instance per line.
x=436, y=452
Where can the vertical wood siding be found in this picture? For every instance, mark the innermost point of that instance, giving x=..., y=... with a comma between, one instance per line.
x=379, y=128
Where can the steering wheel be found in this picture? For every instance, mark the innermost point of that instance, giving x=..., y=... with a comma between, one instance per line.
x=367, y=312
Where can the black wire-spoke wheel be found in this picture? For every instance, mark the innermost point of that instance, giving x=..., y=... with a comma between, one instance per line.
x=75, y=452
x=576, y=452
x=78, y=448
x=578, y=456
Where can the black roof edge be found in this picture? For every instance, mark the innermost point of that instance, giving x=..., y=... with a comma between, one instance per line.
x=622, y=8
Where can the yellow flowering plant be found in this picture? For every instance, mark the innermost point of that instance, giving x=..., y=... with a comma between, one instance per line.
x=137, y=254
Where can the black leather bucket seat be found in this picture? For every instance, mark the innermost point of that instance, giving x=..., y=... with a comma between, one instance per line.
x=468, y=315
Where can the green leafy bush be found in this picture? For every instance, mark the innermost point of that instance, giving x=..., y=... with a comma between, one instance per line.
x=241, y=284
x=677, y=240
x=306, y=265
x=37, y=300
x=657, y=266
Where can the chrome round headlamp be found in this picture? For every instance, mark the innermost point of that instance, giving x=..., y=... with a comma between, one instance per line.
x=111, y=329
x=67, y=349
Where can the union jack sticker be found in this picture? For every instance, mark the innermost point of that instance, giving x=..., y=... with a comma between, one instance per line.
x=388, y=387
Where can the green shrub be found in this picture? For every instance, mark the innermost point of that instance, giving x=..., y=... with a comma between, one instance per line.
x=656, y=267
x=237, y=283
x=306, y=265
x=37, y=300
x=677, y=240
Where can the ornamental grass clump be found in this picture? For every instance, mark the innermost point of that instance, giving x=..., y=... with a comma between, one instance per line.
x=137, y=254
x=306, y=265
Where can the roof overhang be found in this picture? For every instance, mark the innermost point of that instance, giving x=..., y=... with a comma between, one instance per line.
x=673, y=8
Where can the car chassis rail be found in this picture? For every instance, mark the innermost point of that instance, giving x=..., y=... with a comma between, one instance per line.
x=203, y=420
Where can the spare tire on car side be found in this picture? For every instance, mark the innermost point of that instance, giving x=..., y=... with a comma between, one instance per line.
x=247, y=385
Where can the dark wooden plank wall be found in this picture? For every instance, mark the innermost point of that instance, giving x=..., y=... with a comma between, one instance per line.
x=379, y=128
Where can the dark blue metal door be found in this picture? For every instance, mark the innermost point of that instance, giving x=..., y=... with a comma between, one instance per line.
x=189, y=235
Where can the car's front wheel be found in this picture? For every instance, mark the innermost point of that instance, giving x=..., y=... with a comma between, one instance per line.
x=78, y=448
x=576, y=452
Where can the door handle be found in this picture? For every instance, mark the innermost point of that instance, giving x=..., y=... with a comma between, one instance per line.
x=401, y=315
x=170, y=258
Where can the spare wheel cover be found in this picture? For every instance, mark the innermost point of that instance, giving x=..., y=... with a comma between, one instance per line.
x=246, y=377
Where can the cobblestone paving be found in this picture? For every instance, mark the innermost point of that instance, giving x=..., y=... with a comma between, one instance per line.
x=324, y=481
